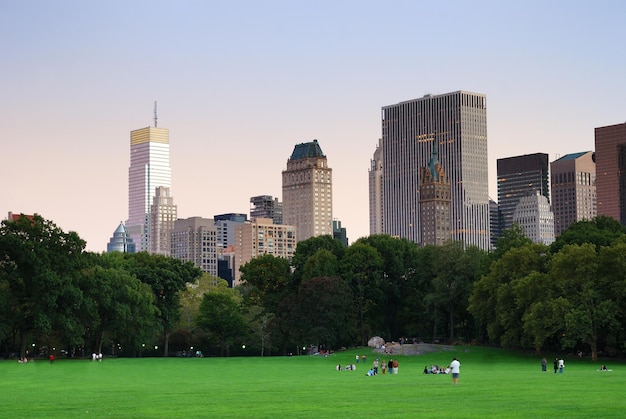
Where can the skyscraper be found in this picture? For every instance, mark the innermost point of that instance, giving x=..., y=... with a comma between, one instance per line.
x=121, y=241
x=149, y=169
x=534, y=216
x=520, y=176
x=266, y=206
x=307, y=192
x=434, y=202
x=194, y=239
x=611, y=171
x=163, y=214
x=376, y=192
x=573, y=184
x=459, y=122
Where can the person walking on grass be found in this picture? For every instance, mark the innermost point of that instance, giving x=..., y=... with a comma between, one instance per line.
x=555, y=364
x=455, y=369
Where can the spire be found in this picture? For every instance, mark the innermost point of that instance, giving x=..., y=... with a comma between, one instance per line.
x=155, y=114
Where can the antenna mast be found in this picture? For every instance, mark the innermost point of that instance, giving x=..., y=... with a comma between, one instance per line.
x=155, y=114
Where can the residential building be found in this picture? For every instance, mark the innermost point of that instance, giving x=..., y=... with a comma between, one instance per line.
x=121, y=241
x=259, y=237
x=610, y=157
x=149, y=169
x=534, y=216
x=266, y=206
x=573, y=184
x=307, y=191
x=376, y=192
x=194, y=240
x=434, y=201
x=163, y=214
x=459, y=122
x=518, y=177
x=225, y=225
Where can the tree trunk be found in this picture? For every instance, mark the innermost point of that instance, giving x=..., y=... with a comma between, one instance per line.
x=166, y=345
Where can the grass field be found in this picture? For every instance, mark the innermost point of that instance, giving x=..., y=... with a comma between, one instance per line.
x=493, y=383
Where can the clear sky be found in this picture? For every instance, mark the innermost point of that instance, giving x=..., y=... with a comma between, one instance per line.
x=240, y=83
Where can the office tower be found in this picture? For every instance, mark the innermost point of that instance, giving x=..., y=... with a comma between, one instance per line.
x=194, y=240
x=307, y=192
x=459, y=122
x=611, y=171
x=434, y=202
x=534, y=216
x=226, y=264
x=573, y=184
x=225, y=226
x=266, y=206
x=520, y=176
x=162, y=218
x=149, y=169
x=340, y=233
x=259, y=237
x=376, y=192
x=494, y=223
x=121, y=241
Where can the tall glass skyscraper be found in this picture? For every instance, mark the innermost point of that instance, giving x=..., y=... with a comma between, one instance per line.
x=149, y=169
x=458, y=121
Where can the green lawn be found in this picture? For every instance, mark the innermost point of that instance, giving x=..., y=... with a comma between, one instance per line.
x=493, y=383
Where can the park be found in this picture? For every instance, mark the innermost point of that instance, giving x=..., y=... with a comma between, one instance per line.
x=494, y=382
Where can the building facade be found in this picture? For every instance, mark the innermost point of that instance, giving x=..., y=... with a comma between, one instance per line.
x=225, y=225
x=259, y=237
x=307, y=192
x=459, y=122
x=573, y=184
x=376, y=192
x=434, y=203
x=194, y=240
x=610, y=156
x=266, y=206
x=149, y=169
x=121, y=241
x=340, y=233
x=534, y=216
x=518, y=177
x=163, y=214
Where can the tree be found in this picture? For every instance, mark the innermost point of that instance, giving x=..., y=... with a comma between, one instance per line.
x=220, y=317
x=266, y=280
x=40, y=266
x=322, y=263
x=307, y=248
x=600, y=231
x=167, y=277
x=361, y=267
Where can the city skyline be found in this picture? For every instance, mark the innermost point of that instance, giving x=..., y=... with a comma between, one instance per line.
x=239, y=84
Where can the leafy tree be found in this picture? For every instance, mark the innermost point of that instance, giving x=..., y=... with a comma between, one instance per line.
x=266, y=280
x=40, y=264
x=220, y=317
x=324, y=313
x=513, y=237
x=167, y=277
x=322, y=263
x=307, y=248
x=600, y=231
x=361, y=267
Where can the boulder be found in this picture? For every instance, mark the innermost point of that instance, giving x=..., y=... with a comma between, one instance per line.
x=375, y=342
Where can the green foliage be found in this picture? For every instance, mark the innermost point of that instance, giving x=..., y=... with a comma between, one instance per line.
x=601, y=231
x=220, y=317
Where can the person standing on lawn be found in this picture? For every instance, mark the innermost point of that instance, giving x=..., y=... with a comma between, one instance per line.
x=455, y=369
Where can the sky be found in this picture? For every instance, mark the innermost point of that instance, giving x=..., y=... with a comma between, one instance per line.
x=239, y=84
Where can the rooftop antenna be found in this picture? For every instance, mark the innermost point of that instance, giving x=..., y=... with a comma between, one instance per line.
x=155, y=114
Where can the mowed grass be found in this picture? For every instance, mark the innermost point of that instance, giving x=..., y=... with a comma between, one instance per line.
x=493, y=383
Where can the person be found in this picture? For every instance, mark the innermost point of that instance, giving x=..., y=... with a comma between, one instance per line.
x=383, y=366
x=375, y=365
x=94, y=356
x=357, y=358
x=338, y=367
x=561, y=365
x=395, y=366
x=455, y=369
x=544, y=364
x=603, y=368
x=390, y=366
x=51, y=358
x=425, y=369
x=555, y=364
x=370, y=372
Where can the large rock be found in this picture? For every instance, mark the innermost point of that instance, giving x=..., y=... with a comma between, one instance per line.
x=376, y=342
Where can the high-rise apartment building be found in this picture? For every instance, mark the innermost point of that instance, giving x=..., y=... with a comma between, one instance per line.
x=266, y=206
x=494, y=222
x=261, y=236
x=458, y=121
x=163, y=214
x=225, y=225
x=307, y=192
x=434, y=204
x=520, y=176
x=149, y=169
x=573, y=185
x=534, y=216
x=376, y=192
x=194, y=240
x=611, y=171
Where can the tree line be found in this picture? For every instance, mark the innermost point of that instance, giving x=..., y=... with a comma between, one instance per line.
x=570, y=295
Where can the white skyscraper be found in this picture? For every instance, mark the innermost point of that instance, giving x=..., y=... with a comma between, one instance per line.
x=534, y=216
x=149, y=169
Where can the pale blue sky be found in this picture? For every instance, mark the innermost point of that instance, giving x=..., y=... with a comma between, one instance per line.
x=238, y=84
